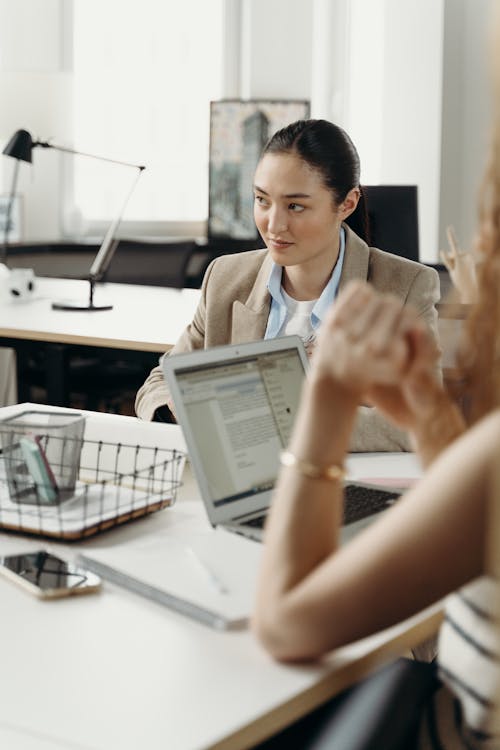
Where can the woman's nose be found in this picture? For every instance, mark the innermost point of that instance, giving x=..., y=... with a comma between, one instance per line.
x=277, y=221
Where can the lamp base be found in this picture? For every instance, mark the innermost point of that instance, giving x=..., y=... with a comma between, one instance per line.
x=79, y=306
x=86, y=306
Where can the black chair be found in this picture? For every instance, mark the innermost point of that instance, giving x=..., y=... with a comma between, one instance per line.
x=392, y=219
x=382, y=712
x=151, y=263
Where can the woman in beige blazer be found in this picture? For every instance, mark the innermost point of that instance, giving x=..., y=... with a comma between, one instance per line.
x=306, y=185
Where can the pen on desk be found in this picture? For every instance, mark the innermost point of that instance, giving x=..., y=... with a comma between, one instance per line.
x=210, y=576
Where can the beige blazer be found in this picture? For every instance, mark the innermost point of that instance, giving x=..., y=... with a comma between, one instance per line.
x=234, y=307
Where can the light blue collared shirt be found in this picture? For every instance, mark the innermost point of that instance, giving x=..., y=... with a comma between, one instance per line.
x=277, y=313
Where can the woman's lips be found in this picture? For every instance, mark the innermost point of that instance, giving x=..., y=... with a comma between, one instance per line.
x=279, y=244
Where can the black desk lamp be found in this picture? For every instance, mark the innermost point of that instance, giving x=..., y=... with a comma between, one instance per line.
x=20, y=147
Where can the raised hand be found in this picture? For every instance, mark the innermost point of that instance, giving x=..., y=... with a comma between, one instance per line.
x=461, y=267
x=364, y=340
x=377, y=352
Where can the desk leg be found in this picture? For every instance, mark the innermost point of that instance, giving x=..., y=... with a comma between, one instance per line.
x=55, y=374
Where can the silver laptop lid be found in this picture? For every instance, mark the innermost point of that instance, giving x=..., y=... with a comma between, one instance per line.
x=236, y=405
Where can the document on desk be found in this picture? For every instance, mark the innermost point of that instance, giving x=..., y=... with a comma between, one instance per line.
x=210, y=576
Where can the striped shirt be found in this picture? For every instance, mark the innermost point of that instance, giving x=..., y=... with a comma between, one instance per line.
x=465, y=712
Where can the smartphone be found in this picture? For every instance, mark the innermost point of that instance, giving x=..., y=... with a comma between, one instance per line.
x=47, y=576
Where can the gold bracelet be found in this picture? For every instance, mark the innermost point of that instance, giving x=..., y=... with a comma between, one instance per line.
x=311, y=471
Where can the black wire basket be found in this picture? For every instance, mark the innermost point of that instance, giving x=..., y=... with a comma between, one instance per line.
x=72, y=488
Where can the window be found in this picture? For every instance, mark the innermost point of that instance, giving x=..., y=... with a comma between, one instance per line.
x=143, y=76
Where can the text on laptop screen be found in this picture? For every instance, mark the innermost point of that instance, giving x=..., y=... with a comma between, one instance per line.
x=242, y=414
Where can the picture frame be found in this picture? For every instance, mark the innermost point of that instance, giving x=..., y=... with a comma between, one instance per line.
x=15, y=229
x=239, y=129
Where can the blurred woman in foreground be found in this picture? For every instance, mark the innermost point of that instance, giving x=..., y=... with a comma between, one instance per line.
x=314, y=596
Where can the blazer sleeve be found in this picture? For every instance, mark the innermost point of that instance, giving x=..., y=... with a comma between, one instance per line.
x=372, y=432
x=423, y=294
x=154, y=393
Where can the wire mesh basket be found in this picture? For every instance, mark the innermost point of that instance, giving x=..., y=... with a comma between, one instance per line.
x=113, y=483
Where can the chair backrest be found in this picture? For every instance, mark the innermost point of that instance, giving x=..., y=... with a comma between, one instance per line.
x=153, y=263
x=392, y=219
x=381, y=711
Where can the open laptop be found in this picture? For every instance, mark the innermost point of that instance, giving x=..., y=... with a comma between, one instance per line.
x=236, y=405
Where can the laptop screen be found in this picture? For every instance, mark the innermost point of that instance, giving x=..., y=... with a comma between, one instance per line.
x=241, y=414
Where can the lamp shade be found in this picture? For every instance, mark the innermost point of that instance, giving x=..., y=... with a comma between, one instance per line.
x=20, y=146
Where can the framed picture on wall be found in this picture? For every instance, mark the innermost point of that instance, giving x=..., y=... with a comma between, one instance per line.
x=238, y=131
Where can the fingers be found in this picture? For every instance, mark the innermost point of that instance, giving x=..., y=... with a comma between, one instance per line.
x=388, y=323
x=462, y=269
x=365, y=338
x=450, y=256
x=350, y=302
x=364, y=314
x=380, y=351
x=447, y=259
x=452, y=241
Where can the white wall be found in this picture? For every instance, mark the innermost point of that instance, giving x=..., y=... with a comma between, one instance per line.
x=405, y=77
x=384, y=70
x=465, y=114
x=276, y=49
x=388, y=96
x=34, y=92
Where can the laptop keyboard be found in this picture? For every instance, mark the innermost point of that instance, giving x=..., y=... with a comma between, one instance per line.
x=361, y=502
x=257, y=522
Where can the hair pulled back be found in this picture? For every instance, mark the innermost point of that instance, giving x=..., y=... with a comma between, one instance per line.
x=327, y=149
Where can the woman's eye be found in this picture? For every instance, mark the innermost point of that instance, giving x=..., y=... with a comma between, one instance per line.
x=296, y=207
x=260, y=200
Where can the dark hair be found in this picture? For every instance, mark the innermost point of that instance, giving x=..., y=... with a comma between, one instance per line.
x=328, y=149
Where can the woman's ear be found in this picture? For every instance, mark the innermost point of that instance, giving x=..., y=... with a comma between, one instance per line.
x=348, y=205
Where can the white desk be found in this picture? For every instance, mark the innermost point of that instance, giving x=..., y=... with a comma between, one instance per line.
x=143, y=319
x=116, y=671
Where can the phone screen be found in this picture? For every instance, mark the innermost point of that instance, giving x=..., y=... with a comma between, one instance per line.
x=48, y=574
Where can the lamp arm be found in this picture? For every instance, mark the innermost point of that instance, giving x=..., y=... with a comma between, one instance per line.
x=102, y=259
x=109, y=243
x=46, y=144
